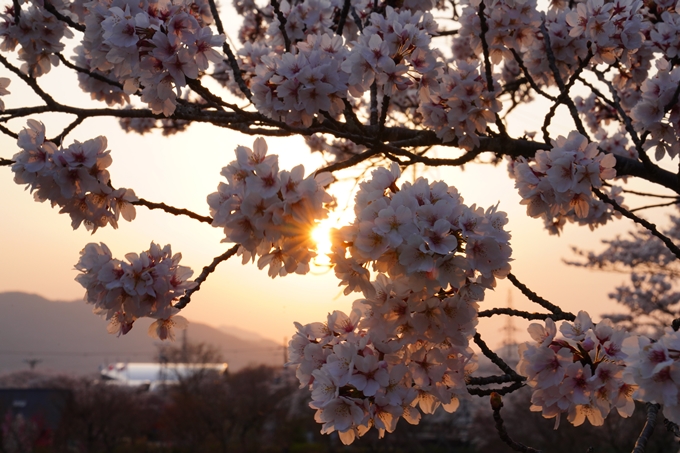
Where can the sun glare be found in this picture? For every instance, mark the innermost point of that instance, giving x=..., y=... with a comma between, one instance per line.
x=321, y=235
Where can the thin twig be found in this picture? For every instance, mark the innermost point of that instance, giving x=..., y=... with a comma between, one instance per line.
x=532, y=296
x=659, y=205
x=487, y=63
x=645, y=194
x=343, y=16
x=60, y=138
x=564, y=89
x=446, y=33
x=532, y=82
x=648, y=429
x=172, y=210
x=231, y=58
x=5, y=162
x=650, y=226
x=67, y=20
x=94, y=75
x=383, y=116
x=207, y=270
x=6, y=131
x=30, y=81
x=282, y=24
x=374, y=104
x=496, y=405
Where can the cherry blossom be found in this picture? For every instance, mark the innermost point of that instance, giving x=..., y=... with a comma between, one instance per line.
x=73, y=178
x=397, y=351
x=270, y=213
x=582, y=374
x=145, y=285
x=558, y=183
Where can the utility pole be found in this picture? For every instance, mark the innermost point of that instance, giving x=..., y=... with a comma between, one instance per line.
x=32, y=362
x=285, y=350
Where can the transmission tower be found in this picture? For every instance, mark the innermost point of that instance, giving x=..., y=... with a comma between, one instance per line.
x=509, y=330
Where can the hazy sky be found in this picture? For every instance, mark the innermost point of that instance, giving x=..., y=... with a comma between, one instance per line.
x=39, y=248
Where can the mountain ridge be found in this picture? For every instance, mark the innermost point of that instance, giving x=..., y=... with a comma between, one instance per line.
x=65, y=336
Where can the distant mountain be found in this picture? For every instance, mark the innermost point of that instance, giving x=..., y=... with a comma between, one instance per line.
x=243, y=334
x=67, y=337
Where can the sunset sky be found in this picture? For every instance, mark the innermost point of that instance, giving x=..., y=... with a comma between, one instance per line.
x=39, y=248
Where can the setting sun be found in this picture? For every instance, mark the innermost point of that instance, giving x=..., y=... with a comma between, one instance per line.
x=321, y=235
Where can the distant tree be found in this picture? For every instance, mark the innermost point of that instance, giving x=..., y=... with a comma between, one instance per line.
x=237, y=411
x=651, y=297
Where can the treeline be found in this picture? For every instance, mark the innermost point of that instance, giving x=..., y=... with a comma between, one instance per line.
x=261, y=409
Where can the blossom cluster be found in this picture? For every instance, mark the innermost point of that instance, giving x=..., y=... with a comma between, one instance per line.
x=143, y=286
x=658, y=93
x=459, y=105
x=74, y=178
x=320, y=70
x=295, y=87
x=422, y=234
x=394, y=51
x=396, y=352
x=270, y=213
x=511, y=25
x=581, y=374
x=558, y=183
x=614, y=29
x=655, y=368
x=149, y=46
x=38, y=33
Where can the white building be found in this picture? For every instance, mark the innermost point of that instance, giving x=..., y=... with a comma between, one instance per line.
x=154, y=374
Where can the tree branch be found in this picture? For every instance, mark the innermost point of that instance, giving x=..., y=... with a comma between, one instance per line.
x=52, y=10
x=343, y=16
x=648, y=429
x=495, y=359
x=650, y=226
x=282, y=24
x=501, y=391
x=172, y=210
x=532, y=296
x=207, y=270
x=496, y=405
x=524, y=314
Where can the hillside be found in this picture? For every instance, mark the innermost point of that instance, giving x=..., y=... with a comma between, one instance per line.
x=67, y=337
